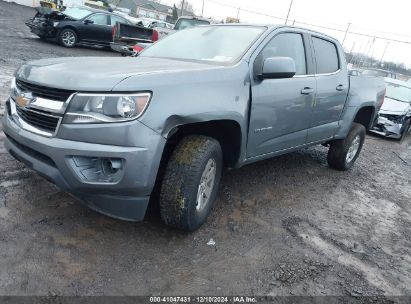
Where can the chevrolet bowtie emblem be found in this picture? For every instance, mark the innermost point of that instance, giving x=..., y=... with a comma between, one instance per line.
x=24, y=99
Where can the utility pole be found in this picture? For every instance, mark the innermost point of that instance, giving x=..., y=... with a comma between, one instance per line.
x=289, y=10
x=383, y=54
x=182, y=8
x=202, y=10
x=238, y=12
x=346, y=32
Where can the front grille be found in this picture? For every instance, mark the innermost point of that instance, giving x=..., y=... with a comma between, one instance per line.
x=42, y=120
x=44, y=92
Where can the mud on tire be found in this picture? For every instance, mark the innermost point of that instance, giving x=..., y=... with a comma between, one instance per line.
x=340, y=149
x=194, y=156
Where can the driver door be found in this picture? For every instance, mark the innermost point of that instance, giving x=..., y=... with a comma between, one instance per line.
x=281, y=108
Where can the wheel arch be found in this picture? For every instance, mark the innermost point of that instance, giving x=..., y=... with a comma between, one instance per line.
x=227, y=132
x=365, y=116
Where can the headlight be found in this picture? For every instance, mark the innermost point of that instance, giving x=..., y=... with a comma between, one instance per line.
x=13, y=89
x=104, y=108
x=55, y=24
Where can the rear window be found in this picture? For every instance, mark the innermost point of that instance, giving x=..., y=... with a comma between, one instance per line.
x=326, y=56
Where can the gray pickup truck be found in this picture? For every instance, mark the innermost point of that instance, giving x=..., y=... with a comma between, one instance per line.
x=115, y=131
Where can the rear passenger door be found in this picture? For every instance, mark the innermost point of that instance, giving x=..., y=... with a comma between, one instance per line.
x=332, y=89
x=280, y=108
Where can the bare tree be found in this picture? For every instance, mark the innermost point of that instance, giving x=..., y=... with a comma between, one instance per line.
x=187, y=6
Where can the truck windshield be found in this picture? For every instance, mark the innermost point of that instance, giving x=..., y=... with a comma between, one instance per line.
x=77, y=13
x=219, y=44
x=187, y=23
x=398, y=92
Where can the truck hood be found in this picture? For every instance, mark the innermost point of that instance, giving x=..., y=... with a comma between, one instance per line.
x=392, y=106
x=99, y=73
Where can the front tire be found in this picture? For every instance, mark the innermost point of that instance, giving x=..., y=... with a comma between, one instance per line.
x=190, y=184
x=68, y=38
x=344, y=152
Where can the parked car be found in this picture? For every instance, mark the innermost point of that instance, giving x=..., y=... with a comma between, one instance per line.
x=129, y=40
x=108, y=129
x=394, y=118
x=133, y=20
x=353, y=72
x=379, y=73
x=77, y=25
x=160, y=24
x=182, y=23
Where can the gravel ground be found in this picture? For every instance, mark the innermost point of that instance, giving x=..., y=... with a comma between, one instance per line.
x=285, y=226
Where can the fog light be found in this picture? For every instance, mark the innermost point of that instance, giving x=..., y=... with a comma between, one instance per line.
x=98, y=169
x=111, y=166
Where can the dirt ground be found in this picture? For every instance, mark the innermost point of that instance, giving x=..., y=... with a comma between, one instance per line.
x=285, y=226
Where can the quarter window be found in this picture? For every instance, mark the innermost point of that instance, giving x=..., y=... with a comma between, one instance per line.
x=99, y=19
x=326, y=56
x=287, y=45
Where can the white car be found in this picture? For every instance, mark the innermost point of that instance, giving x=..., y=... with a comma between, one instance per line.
x=394, y=117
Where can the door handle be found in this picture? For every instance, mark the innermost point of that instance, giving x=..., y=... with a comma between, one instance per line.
x=340, y=87
x=307, y=91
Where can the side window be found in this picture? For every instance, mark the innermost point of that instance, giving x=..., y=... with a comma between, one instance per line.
x=99, y=19
x=326, y=56
x=287, y=45
x=115, y=19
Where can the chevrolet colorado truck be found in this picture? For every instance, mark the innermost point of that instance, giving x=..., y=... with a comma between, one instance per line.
x=112, y=131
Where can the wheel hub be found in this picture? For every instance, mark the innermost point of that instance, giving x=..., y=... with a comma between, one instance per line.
x=206, y=185
x=352, y=151
x=68, y=38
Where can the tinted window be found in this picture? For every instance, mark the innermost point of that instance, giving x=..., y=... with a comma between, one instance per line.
x=115, y=19
x=326, y=56
x=287, y=45
x=100, y=19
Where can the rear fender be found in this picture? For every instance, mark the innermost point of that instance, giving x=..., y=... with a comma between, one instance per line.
x=348, y=116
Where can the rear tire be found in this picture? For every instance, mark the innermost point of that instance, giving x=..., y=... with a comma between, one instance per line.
x=344, y=152
x=68, y=38
x=190, y=184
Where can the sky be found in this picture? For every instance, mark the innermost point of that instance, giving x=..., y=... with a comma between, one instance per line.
x=381, y=18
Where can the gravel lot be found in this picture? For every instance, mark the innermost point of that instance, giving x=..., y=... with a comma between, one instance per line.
x=286, y=226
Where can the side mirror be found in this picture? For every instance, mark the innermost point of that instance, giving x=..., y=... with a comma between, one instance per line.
x=88, y=21
x=278, y=67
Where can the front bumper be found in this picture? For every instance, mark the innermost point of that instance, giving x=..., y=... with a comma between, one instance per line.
x=392, y=128
x=124, y=196
x=41, y=29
